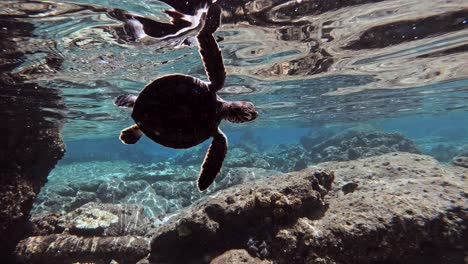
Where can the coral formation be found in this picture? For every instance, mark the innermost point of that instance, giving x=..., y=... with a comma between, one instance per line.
x=353, y=144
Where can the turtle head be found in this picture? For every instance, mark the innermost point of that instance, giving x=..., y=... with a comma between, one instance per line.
x=239, y=111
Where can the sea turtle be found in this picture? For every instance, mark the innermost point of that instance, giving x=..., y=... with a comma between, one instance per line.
x=181, y=111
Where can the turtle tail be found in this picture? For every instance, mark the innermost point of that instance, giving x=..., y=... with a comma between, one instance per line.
x=125, y=100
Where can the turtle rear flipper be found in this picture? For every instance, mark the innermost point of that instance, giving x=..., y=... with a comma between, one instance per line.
x=125, y=100
x=209, y=49
x=213, y=161
x=130, y=135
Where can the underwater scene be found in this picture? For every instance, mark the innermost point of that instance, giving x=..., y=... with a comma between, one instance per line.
x=252, y=131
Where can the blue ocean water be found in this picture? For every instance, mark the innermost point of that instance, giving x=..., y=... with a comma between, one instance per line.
x=331, y=81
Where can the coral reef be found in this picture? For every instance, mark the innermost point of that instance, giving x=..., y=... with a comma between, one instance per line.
x=393, y=208
x=165, y=187
x=448, y=152
x=353, y=144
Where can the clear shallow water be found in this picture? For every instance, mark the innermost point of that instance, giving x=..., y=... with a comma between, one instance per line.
x=313, y=69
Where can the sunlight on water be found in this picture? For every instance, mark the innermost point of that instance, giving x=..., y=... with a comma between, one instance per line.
x=298, y=62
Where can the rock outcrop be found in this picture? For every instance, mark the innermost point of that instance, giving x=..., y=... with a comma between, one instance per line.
x=403, y=208
x=392, y=208
x=30, y=142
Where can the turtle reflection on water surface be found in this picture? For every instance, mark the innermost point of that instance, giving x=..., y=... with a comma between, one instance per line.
x=181, y=111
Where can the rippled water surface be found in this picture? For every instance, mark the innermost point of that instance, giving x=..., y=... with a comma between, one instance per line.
x=311, y=68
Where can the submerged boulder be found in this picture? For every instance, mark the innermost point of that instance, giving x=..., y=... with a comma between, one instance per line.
x=94, y=232
x=60, y=248
x=443, y=152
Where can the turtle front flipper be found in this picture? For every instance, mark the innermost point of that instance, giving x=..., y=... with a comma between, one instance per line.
x=125, y=100
x=209, y=49
x=213, y=161
x=130, y=135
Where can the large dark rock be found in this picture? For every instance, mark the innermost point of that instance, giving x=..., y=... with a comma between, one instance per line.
x=29, y=148
x=30, y=142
